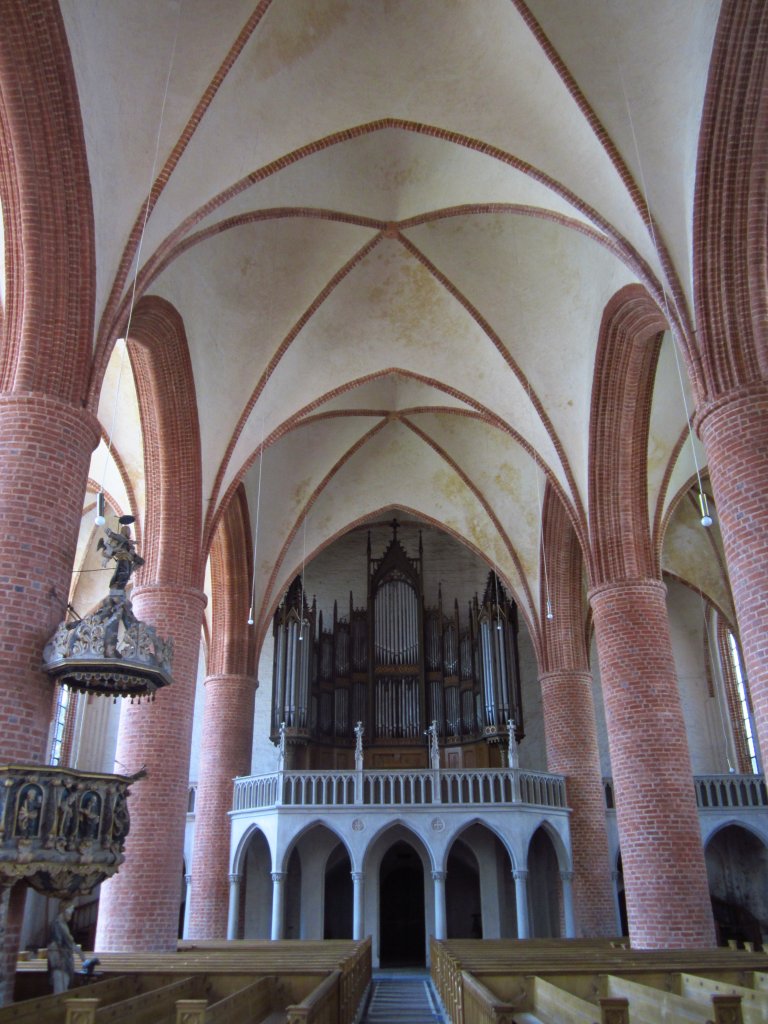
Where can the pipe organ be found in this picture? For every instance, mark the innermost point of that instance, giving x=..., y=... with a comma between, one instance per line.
x=395, y=665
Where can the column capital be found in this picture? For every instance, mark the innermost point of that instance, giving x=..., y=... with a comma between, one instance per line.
x=235, y=878
x=188, y=879
x=643, y=585
x=278, y=876
x=566, y=876
x=438, y=876
x=357, y=876
x=745, y=395
x=520, y=874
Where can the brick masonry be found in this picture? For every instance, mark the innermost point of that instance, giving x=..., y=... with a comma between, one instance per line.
x=735, y=433
x=665, y=878
x=569, y=716
x=45, y=450
x=139, y=908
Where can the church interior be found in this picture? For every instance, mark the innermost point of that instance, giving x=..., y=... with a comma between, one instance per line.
x=405, y=363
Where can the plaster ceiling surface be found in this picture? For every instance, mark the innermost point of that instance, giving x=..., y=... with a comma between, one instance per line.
x=695, y=555
x=394, y=175
x=371, y=212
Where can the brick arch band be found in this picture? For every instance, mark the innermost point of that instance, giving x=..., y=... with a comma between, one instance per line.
x=731, y=206
x=565, y=635
x=47, y=208
x=232, y=648
x=165, y=388
x=625, y=365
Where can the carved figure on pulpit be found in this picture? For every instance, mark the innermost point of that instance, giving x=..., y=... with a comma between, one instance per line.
x=61, y=951
x=67, y=812
x=28, y=814
x=90, y=815
x=121, y=548
x=359, y=730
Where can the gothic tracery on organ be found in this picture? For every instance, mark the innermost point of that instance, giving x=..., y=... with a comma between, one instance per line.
x=396, y=666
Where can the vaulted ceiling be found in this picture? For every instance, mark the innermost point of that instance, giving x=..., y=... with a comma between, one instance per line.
x=391, y=229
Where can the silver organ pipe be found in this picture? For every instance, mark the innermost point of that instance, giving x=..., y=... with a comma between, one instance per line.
x=489, y=687
x=396, y=662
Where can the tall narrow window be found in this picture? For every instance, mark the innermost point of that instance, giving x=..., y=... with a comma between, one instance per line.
x=59, y=724
x=746, y=717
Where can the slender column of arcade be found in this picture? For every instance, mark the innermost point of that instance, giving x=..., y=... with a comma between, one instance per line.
x=357, y=905
x=278, y=896
x=566, y=880
x=521, y=902
x=139, y=906
x=438, y=877
x=665, y=878
x=45, y=451
x=735, y=433
x=571, y=737
x=233, y=916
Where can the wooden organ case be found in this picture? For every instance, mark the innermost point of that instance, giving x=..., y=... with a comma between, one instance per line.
x=396, y=666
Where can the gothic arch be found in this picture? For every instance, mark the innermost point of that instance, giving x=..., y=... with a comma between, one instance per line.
x=231, y=650
x=165, y=389
x=625, y=365
x=731, y=205
x=47, y=208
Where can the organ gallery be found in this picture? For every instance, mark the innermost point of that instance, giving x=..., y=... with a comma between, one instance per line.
x=397, y=666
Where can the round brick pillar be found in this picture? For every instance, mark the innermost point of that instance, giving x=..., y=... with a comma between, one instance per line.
x=665, y=879
x=225, y=752
x=45, y=453
x=571, y=736
x=735, y=433
x=139, y=906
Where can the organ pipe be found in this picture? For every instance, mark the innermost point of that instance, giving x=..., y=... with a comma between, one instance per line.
x=394, y=665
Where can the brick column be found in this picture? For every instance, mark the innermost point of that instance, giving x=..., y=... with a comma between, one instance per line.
x=569, y=717
x=225, y=752
x=45, y=453
x=734, y=430
x=139, y=907
x=665, y=878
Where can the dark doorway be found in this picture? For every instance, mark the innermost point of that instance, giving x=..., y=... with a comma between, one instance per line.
x=544, y=891
x=401, y=908
x=462, y=894
x=337, y=920
x=737, y=869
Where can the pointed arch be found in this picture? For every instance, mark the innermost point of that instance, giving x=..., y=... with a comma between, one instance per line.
x=625, y=365
x=165, y=388
x=565, y=636
x=47, y=208
x=231, y=649
x=731, y=204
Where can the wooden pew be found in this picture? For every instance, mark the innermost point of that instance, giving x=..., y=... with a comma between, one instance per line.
x=653, y=1004
x=50, y=1008
x=754, y=1002
x=321, y=1006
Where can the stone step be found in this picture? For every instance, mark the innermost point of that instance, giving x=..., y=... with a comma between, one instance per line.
x=403, y=1000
